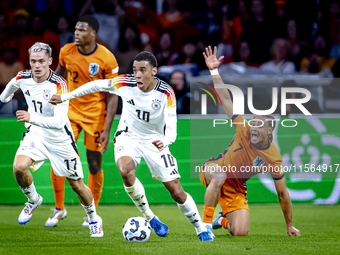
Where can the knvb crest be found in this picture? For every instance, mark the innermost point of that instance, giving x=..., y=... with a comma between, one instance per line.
x=94, y=68
x=258, y=162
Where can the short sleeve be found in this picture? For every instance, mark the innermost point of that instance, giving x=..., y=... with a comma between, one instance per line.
x=241, y=125
x=111, y=66
x=61, y=56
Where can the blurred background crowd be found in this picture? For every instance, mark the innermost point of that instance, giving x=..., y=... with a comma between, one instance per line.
x=271, y=36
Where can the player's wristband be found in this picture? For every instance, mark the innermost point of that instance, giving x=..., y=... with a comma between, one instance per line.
x=214, y=72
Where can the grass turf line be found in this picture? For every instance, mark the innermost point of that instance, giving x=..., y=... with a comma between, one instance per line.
x=319, y=226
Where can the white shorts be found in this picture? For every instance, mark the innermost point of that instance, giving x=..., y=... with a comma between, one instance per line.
x=63, y=155
x=162, y=164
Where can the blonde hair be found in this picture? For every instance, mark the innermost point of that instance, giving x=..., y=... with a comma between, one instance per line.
x=39, y=46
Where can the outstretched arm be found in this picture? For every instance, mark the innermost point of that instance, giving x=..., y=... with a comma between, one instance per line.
x=213, y=63
x=286, y=206
x=90, y=87
x=8, y=92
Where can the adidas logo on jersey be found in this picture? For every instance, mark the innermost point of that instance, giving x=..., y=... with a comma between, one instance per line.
x=174, y=172
x=131, y=102
x=27, y=93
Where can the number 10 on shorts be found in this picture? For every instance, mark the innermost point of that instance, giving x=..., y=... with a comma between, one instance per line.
x=168, y=160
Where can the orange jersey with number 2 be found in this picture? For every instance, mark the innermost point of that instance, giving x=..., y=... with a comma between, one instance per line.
x=82, y=68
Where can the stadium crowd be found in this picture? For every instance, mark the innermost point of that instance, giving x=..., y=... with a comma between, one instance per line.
x=272, y=36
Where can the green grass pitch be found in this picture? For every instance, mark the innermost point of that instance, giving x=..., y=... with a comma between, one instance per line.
x=319, y=226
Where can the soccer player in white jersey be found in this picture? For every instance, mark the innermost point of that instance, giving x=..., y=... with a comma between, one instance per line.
x=146, y=129
x=49, y=135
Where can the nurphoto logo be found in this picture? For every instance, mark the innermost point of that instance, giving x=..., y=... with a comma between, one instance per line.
x=238, y=103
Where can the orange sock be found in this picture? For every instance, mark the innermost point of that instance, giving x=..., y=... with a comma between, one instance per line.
x=95, y=183
x=208, y=214
x=58, y=184
x=224, y=222
x=89, y=181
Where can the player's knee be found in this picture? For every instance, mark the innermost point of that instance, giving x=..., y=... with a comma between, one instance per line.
x=126, y=171
x=178, y=195
x=19, y=168
x=94, y=164
x=94, y=167
x=126, y=167
x=240, y=232
x=128, y=177
x=76, y=187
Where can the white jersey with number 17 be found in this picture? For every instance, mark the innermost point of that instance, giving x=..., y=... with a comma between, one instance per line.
x=46, y=120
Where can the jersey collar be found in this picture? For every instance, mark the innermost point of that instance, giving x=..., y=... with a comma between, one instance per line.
x=157, y=84
x=87, y=54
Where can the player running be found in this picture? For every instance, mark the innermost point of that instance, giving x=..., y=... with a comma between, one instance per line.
x=251, y=147
x=81, y=62
x=147, y=128
x=49, y=135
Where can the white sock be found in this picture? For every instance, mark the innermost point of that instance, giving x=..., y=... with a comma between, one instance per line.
x=91, y=212
x=31, y=193
x=137, y=194
x=219, y=221
x=189, y=209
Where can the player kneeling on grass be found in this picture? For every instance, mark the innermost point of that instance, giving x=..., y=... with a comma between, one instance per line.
x=225, y=176
x=49, y=135
x=146, y=129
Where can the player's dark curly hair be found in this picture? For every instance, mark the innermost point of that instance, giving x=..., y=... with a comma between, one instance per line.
x=147, y=56
x=92, y=21
x=272, y=124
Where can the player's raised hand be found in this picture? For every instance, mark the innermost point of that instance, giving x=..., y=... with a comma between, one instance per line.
x=104, y=138
x=210, y=58
x=291, y=231
x=159, y=144
x=23, y=116
x=55, y=99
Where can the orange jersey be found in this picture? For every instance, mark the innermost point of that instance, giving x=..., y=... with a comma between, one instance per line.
x=241, y=160
x=83, y=68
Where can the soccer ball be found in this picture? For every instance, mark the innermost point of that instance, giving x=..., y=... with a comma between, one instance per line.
x=136, y=229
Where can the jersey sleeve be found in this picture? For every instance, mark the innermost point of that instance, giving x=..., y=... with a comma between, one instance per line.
x=121, y=81
x=106, y=85
x=58, y=121
x=61, y=57
x=111, y=66
x=88, y=88
x=276, y=170
x=11, y=87
x=170, y=118
x=241, y=125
